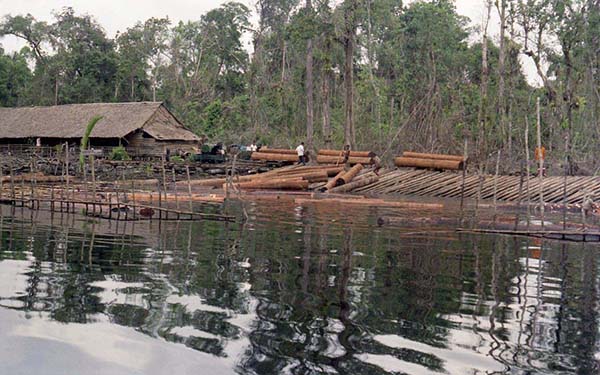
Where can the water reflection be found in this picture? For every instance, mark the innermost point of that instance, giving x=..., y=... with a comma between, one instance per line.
x=295, y=290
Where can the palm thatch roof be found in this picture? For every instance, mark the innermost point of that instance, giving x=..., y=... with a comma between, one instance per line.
x=69, y=121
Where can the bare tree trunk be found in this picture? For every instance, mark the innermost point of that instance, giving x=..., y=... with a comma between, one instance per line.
x=349, y=137
x=481, y=117
x=501, y=103
x=56, y=91
x=326, y=109
x=309, y=88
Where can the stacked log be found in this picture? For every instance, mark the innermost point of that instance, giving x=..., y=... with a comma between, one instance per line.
x=328, y=159
x=419, y=155
x=260, y=155
x=431, y=161
x=362, y=154
x=337, y=157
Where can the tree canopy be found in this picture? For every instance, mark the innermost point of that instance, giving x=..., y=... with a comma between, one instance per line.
x=382, y=75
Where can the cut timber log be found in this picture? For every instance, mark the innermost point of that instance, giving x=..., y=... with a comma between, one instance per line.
x=362, y=154
x=355, y=185
x=326, y=159
x=278, y=184
x=352, y=172
x=419, y=155
x=402, y=161
x=277, y=151
x=273, y=157
x=334, y=181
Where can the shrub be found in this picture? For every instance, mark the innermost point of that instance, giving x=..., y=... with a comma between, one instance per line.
x=177, y=159
x=119, y=153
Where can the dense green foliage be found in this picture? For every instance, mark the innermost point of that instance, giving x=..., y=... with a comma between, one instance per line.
x=420, y=77
x=119, y=153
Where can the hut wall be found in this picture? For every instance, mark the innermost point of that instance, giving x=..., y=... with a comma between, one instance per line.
x=140, y=143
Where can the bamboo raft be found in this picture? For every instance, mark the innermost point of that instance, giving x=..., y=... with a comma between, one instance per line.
x=503, y=188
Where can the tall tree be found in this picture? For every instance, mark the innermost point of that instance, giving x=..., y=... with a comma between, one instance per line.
x=309, y=81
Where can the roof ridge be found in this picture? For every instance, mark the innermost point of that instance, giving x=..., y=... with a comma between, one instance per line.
x=85, y=104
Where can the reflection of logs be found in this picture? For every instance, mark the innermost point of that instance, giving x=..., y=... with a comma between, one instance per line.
x=354, y=185
x=273, y=157
x=326, y=159
x=364, y=154
x=402, y=161
x=419, y=155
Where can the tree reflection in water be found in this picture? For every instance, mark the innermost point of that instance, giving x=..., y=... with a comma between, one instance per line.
x=314, y=292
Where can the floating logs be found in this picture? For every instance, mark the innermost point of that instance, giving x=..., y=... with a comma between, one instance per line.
x=403, y=161
x=327, y=159
x=274, y=156
x=296, y=183
x=363, y=154
x=419, y=155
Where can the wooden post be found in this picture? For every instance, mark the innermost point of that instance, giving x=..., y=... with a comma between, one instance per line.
x=496, y=183
x=67, y=171
x=159, y=202
x=527, y=170
x=93, y=168
x=118, y=206
x=1, y=183
x=541, y=159
x=175, y=190
x=564, y=200
x=12, y=185
x=133, y=206
x=464, y=172
x=187, y=172
x=164, y=177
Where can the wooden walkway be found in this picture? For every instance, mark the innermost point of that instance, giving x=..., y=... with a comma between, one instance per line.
x=508, y=188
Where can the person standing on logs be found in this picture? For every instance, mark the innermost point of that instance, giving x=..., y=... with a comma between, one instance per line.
x=346, y=156
x=376, y=162
x=300, y=152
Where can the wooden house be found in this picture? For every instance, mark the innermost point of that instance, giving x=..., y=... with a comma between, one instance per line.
x=144, y=128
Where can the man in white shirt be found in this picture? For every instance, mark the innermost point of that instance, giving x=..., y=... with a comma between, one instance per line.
x=300, y=152
x=253, y=147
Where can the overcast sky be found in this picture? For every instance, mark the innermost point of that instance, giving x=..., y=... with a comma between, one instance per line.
x=118, y=15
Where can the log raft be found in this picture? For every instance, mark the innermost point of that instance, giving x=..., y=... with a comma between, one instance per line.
x=448, y=184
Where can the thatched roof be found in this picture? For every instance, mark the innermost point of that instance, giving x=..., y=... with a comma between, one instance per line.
x=70, y=121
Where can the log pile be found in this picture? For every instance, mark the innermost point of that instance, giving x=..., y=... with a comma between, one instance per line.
x=430, y=161
x=287, y=178
x=337, y=157
x=347, y=181
x=275, y=154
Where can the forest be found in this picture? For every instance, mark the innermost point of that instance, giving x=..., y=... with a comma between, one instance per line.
x=376, y=74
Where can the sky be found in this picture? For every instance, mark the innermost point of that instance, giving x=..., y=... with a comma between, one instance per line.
x=118, y=15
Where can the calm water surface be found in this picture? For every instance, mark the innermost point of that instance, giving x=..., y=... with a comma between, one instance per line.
x=297, y=289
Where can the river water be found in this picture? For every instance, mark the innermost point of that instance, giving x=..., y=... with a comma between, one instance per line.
x=299, y=288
